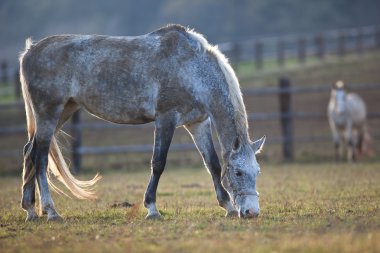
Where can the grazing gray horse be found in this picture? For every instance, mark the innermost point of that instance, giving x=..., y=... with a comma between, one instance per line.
x=172, y=77
x=347, y=119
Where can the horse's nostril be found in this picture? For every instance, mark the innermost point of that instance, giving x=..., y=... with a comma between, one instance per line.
x=249, y=213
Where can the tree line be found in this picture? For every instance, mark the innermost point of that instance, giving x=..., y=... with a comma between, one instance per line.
x=220, y=20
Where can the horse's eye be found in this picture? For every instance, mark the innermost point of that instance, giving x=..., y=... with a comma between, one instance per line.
x=238, y=173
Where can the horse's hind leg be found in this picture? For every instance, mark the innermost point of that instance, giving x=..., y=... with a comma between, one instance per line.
x=360, y=145
x=201, y=134
x=70, y=108
x=46, y=126
x=29, y=183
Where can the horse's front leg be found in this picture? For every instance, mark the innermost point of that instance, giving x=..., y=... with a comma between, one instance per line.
x=351, y=143
x=164, y=130
x=340, y=146
x=201, y=134
x=337, y=139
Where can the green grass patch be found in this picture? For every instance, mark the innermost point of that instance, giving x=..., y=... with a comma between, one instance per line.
x=351, y=68
x=7, y=93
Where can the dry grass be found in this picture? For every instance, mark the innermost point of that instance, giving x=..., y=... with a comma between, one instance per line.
x=305, y=208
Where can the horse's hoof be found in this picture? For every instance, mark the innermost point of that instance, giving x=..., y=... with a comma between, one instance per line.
x=55, y=218
x=154, y=216
x=232, y=214
x=31, y=217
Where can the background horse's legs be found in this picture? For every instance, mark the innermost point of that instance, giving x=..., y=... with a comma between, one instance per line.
x=351, y=142
x=162, y=138
x=340, y=145
x=362, y=141
x=29, y=186
x=337, y=139
x=337, y=151
x=201, y=134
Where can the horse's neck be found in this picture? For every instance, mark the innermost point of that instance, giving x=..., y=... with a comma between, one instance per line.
x=228, y=124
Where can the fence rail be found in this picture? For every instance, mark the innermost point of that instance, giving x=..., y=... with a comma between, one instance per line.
x=301, y=46
x=285, y=116
x=267, y=91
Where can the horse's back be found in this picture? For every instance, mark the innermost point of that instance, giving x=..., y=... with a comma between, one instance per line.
x=120, y=79
x=356, y=108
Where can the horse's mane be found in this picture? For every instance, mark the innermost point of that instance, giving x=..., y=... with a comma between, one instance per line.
x=232, y=81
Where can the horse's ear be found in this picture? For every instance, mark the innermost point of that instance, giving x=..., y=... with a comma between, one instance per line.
x=258, y=145
x=236, y=145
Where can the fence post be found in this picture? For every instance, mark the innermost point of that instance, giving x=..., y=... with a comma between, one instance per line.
x=17, y=84
x=280, y=52
x=320, y=46
x=77, y=142
x=359, y=41
x=377, y=38
x=4, y=71
x=341, y=44
x=259, y=55
x=301, y=50
x=285, y=102
x=236, y=55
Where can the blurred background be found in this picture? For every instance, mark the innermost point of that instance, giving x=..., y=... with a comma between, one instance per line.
x=302, y=46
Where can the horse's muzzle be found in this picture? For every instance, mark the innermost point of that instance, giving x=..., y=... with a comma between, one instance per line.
x=249, y=214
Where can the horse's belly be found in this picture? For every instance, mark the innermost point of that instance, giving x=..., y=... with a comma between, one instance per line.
x=122, y=112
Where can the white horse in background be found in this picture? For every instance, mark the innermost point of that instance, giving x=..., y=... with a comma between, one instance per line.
x=347, y=115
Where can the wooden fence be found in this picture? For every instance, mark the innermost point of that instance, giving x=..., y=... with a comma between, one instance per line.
x=285, y=115
x=301, y=47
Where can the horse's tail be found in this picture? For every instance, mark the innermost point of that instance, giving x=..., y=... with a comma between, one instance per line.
x=29, y=169
x=56, y=165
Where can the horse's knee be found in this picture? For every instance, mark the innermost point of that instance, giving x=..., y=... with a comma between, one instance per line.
x=40, y=152
x=42, y=143
x=158, y=166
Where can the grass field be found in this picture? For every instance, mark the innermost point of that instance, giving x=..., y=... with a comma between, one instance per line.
x=305, y=208
x=322, y=207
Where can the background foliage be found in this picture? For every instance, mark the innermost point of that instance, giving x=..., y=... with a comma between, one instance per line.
x=220, y=20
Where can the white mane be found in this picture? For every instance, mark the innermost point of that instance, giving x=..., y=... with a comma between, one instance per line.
x=233, y=83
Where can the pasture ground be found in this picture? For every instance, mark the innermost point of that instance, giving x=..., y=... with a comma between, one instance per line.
x=305, y=208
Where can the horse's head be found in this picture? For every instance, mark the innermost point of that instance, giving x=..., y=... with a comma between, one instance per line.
x=239, y=177
x=338, y=95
